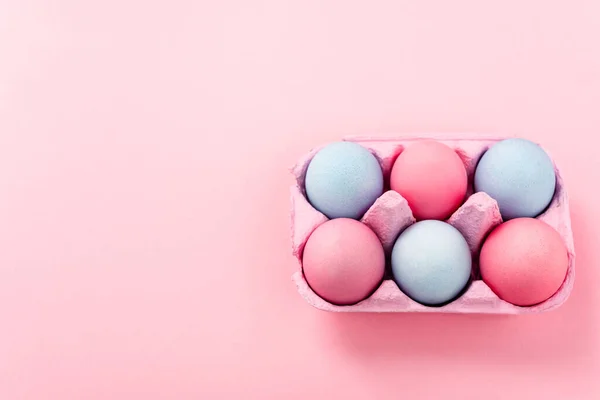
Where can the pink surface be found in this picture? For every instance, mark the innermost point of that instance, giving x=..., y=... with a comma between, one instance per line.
x=475, y=218
x=144, y=215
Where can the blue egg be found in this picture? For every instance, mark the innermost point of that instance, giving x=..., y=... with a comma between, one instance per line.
x=519, y=175
x=343, y=180
x=431, y=262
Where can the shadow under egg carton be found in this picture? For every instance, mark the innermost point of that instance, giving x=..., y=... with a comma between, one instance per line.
x=390, y=215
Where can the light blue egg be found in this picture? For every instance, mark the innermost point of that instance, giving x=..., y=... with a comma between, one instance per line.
x=431, y=262
x=343, y=180
x=519, y=175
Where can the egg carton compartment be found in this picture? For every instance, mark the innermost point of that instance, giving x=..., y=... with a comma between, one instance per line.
x=390, y=215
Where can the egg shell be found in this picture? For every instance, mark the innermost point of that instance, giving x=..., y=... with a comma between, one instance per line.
x=343, y=180
x=519, y=175
x=431, y=262
x=524, y=261
x=432, y=177
x=478, y=297
x=343, y=261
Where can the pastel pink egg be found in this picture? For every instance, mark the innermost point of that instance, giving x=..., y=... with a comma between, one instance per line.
x=343, y=261
x=524, y=261
x=431, y=177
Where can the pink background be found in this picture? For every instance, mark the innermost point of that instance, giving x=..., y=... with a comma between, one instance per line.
x=144, y=242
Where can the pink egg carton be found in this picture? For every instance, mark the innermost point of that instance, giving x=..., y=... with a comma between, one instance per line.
x=390, y=215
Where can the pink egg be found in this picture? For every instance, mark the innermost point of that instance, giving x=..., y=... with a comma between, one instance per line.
x=431, y=177
x=524, y=261
x=343, y=261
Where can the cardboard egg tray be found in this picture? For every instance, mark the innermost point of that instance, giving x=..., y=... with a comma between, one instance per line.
x=390, y=215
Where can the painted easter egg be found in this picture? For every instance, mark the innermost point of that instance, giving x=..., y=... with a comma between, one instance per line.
x=343, y=180
x=519, y=175
x=431, y=177
x=343, y=261
x=524, y=261
x=431, y=262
